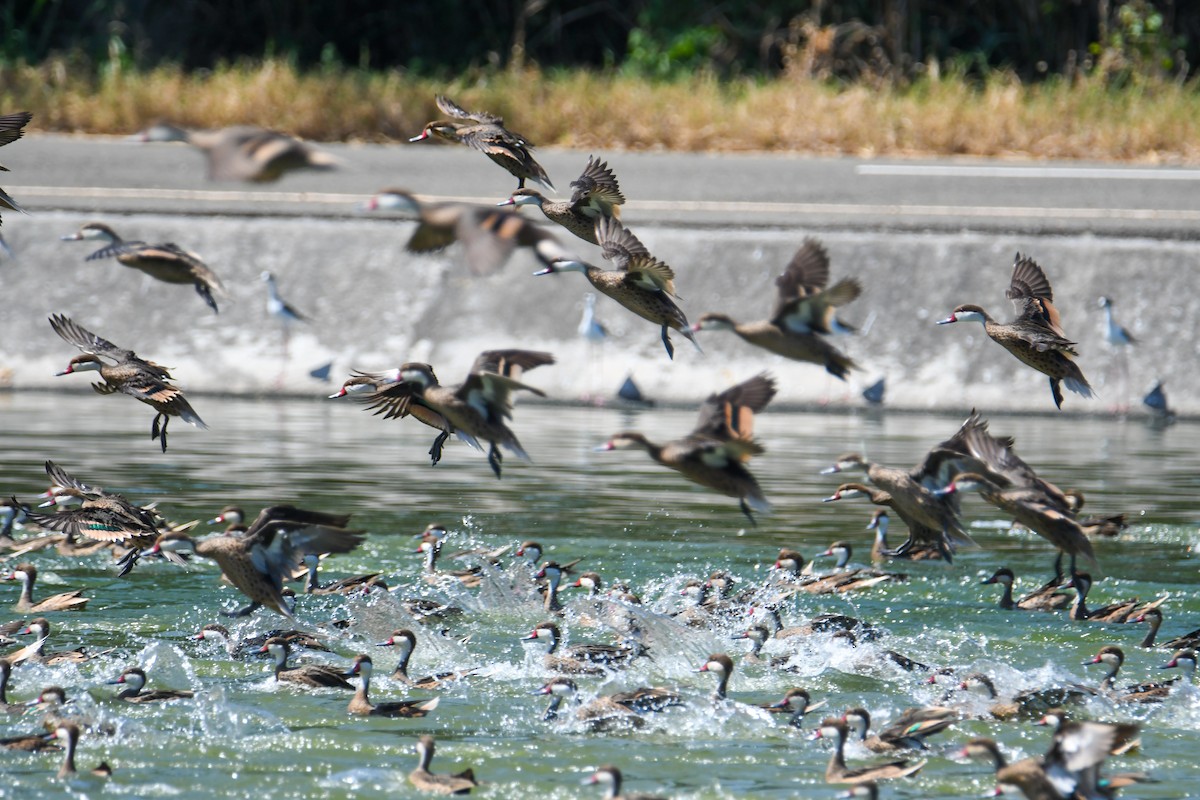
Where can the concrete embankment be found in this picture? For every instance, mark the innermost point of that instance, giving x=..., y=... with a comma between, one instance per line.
x=372, y=306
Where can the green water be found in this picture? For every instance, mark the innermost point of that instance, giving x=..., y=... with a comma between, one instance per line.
x=627, y=519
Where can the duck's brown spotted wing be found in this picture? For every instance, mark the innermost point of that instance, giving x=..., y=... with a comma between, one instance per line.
x=511, y=363
x=619, y=245
x=730, y=414
x=453, y=109
x=807, y=272
x=597, y=187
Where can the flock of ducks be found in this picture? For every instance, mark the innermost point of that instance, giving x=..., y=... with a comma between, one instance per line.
x=285, y=543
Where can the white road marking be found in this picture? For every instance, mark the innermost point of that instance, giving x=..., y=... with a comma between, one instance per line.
x=686, y=206
x=1000, y=171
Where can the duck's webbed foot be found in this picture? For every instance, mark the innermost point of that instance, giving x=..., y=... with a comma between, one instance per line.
x=241, y=612
x=494, y=458
x=666, y=339
x=435, y=452
x=127, y=561
x=1056, y=391
x=160, y=433
x=746, y=510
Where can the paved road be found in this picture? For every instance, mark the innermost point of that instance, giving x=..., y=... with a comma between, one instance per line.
x=108, y=175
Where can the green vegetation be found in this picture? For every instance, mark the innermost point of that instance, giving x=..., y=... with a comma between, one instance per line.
x=1088, y=80
x=1144, y=120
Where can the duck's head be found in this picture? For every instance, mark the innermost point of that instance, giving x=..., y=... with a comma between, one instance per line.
x=789, y=561
x=965, y=313
x=795, y=699
x=1110, y=655
x=714, y=322
x=392, y=200
x=361, y=665
x=964, y=482
x=230, y=515
x=627, y=440
x=212, y=631
x=978, y=683
x=160, y=132
x=84, y=363
x=719, y=664
x=530, y=550
x=839, y=550
x=405, y=639
x=1183, y=659
x=562, y=263
x=442, y=129
x=879, y=521
x=1003, y=576
x=590, y=581
x=607, y=775
x=545, y=632
x=831, y=728
x=26, y=573
x=847, y=462
x=858, y=719
x=524, y=197
x=92, y=231
x=559, y=687
x=133, y=677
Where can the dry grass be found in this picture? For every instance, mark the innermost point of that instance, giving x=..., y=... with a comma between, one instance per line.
x=1149, y=121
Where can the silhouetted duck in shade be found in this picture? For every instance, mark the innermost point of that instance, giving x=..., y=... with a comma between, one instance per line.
x=406, y=642
x=906, y=732
x=257, y=561
x=805, y=308
x=10, y=130
x=122, y=371
x=1153, y=618
x=602, y=713
x=837, y=771
x=486, y=132
x=167, y=262
x=426, y=781
x=595, y=194
x=488, y=235
x=65, y=601
x=715, y=452
x=314, y=676
x=133, y=681
x=1048, y=597
x=1035, y=336
x=611, y=776
x=478, y=407
x=1113, y=657
x=1122, y=611
x=244, y=152
x=360, y=704
x=641, y=283
x=106, y=518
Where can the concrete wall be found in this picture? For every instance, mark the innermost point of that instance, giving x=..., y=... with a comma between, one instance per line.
x=374, y=305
